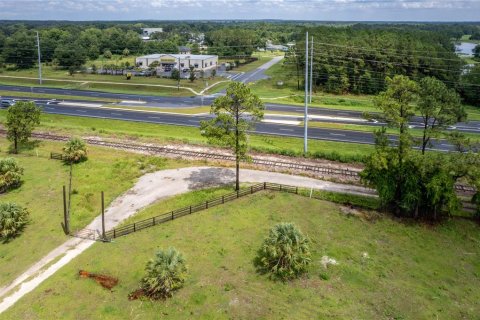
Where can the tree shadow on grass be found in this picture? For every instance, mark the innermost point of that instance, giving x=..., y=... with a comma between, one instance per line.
x=24, y=146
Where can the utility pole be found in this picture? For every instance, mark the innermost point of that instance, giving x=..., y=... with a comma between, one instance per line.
x=179, y=75
x=305, y=143
x=311, y=69
x=39, y=60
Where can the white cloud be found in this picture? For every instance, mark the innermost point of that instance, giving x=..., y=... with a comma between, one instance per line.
x=241, y=9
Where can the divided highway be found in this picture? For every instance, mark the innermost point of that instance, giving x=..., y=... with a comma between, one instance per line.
x=276, y=129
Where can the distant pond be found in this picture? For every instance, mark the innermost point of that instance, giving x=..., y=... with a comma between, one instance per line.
x=465, y=48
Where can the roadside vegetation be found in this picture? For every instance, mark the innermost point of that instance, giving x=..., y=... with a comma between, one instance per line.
x=380, y=266
x=170, y=134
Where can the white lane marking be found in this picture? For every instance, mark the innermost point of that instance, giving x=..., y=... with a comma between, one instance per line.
x=338, y=134
x=116, y=114
x=133, y=102
x=192, y=120
x=294, y=123
x=286, y=129
x=154, y=117
x=84, y=111
x=78, y=104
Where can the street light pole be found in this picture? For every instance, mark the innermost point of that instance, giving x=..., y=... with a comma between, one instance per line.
x=179, y=75
x=305, y=141
x=311, y=69
x=39, y=60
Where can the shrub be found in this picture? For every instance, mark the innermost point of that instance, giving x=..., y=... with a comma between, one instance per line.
x=13, y=219
x=285, y=253
x=10, y=174
x=107, y=54
x=75, y=150
x=165, y=274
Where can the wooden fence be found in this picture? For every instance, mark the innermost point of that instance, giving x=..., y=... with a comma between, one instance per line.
x=150, y=222
x=56, y=156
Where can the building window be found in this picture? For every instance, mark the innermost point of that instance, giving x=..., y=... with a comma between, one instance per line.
x=210, y=62
x=182, y=65
x=196, y=65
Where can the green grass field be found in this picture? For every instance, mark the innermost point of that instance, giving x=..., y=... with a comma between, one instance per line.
x=412, y=271
x=107, y=170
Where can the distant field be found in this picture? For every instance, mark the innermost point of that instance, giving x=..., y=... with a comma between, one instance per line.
x=388, y=269
x=287, y=93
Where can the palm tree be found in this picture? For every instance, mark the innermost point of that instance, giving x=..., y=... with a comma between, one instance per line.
x=165, y=274
x=75, y=150
x=10, y=174
x=285, y=253
x=13, y=219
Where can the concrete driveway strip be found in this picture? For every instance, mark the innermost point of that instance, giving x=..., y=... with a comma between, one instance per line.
x=149, y=189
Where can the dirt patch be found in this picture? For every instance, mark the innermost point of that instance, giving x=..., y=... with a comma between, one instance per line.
x=105, y=281
x=137, y=294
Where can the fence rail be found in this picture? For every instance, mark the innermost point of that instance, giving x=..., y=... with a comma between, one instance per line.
x=175, y=214
x=56, y=156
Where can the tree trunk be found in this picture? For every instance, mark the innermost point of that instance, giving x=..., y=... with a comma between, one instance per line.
x=424, y=139
x=237, y=156
x=237, y=181
x=15, y=144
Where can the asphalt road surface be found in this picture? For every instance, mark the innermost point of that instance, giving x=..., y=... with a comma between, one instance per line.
x=276, y=129
x=317, y=114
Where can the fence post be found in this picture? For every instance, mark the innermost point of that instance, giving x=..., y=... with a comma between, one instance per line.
x=65, y=212
x=190, y=209
x=103, y=216
x=223, y=199
x=114, y=234
x=172, y=215
x=134, y=227
x=153, y=220
x=264, y=186
x=206, y=204
x=296, y=190
x=251, y=189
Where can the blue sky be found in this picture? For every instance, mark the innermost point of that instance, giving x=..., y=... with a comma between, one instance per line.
x=335, y=10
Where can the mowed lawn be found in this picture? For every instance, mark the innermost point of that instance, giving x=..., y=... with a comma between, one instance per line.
x=411, y=271
x=106, y=170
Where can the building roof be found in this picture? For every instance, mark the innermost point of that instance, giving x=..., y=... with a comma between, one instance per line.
x=184, y=48
x=152, y=30
x=178, y=56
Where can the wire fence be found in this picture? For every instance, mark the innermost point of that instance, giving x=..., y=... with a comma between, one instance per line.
x=175, y=214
